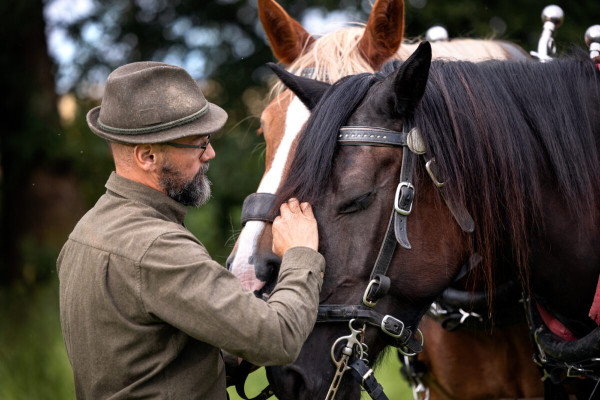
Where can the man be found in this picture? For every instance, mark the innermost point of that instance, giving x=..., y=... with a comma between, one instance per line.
x=144, y=309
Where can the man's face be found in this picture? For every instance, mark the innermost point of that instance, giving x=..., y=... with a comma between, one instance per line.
x=182, y=174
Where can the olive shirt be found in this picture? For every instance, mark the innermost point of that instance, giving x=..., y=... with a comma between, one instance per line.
x=144, y=309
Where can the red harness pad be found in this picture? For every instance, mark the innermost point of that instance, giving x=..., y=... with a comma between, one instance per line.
x=555, y=325
x=595, y=309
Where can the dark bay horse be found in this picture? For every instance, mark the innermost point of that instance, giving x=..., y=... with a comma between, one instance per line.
x=516, y=146
x=350, y=51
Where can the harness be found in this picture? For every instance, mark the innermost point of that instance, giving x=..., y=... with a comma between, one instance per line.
x=258, y=206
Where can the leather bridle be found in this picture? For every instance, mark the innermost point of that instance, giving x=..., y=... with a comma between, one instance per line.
x=259, y=206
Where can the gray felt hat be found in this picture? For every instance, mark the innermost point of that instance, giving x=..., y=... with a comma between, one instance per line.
x=153, y=102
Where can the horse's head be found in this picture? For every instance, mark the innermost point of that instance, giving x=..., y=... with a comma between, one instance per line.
x=346, y=51
x=354, y=183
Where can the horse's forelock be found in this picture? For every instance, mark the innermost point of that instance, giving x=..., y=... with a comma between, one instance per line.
x=313, y=160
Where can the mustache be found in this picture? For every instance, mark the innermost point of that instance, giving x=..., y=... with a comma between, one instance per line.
x=203, y=168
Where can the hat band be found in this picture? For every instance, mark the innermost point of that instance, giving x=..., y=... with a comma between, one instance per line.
x=155, y=128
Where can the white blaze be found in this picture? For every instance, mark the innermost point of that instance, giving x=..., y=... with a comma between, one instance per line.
x=295, y=117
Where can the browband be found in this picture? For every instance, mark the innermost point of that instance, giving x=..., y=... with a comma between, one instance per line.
x=370, y=136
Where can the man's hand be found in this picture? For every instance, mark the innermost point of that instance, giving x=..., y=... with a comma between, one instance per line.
x=296, y=226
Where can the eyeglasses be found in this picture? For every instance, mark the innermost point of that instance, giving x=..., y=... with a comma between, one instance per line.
x=191, y=146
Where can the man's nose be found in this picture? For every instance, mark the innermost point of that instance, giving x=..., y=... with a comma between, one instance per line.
x=209, y=154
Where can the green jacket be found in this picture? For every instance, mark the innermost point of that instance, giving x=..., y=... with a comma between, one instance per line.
x=144, y=309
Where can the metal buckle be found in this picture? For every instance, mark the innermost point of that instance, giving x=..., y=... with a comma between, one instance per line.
x=432, y=175
x=405, y=353
x=366, y=302
x=400, y=323
x=397, y=198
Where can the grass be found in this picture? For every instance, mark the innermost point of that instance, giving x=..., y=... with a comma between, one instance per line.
x=33, y=359
x=34, y=363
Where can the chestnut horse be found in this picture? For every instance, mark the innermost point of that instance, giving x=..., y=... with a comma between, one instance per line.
x=492, y=374
x=517, y=146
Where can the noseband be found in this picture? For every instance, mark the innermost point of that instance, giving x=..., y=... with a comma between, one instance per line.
x=257, y=207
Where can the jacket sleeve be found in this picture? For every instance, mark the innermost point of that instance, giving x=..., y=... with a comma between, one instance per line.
x=181, y=285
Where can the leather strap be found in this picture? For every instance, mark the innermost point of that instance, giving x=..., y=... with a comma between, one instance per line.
x=371, y=136
x=401, y=337
x=258, y=207
x=378, y=287
x=364, y=375
x=458, y=211
x=386, y=251
x=405, y=197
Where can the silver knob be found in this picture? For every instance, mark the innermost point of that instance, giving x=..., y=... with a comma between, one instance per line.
x=436, y=33
x=554, y=14
x=592, y=39
x=552, y=17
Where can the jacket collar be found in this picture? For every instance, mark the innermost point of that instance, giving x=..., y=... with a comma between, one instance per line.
x=129, y=189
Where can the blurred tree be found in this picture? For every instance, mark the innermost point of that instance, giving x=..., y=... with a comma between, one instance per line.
x=27, y=147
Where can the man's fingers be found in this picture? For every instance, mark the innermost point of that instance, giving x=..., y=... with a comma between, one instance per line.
x=293, y=205
x=307, y=209
x=284, y=210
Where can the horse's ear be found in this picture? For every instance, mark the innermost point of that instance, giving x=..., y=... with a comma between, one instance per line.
x=309, y=91
x=409, y=81
x=383, y=33
x=288, y=39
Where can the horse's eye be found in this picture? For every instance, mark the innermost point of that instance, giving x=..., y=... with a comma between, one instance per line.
x=357, y=204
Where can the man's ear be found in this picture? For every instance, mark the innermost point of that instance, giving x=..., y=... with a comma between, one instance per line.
x=145, y=157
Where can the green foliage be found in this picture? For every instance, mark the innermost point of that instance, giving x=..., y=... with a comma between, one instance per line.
x=33, y=360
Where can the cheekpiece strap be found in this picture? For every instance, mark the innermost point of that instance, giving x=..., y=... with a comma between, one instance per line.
x=405, y=195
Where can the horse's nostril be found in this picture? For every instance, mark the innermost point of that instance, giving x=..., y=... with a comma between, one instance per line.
x=267, y=268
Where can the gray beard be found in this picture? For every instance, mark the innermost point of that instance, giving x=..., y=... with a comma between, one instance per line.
x=193, y=193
